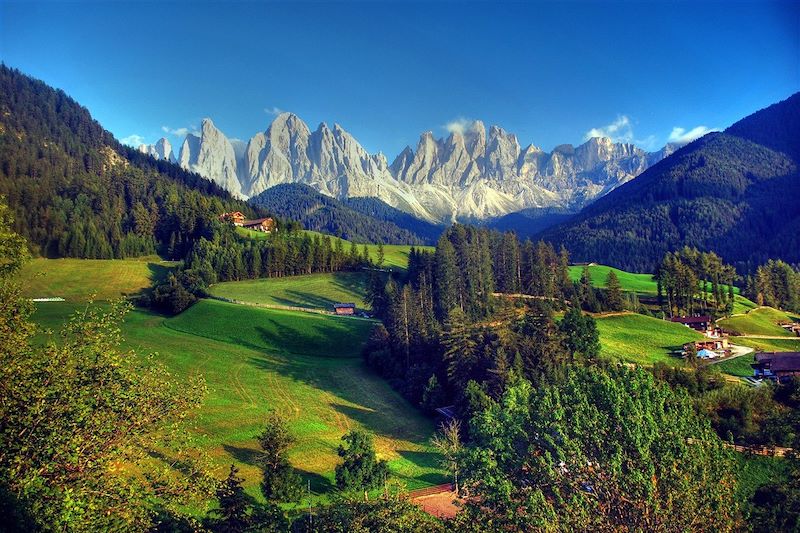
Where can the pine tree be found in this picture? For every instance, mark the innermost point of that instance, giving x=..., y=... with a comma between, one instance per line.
x=234, y=508
x=613, y=292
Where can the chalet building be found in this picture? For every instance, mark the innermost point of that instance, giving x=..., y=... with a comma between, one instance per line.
x=267, y=225
x=703, y=324
x=236, y=217
x=344, y=309
x=777, y=366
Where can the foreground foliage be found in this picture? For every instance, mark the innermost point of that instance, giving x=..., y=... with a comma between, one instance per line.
x=600, y=450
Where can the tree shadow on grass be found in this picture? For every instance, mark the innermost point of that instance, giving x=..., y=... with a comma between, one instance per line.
x=319, y=483
x=373, y=418
x=247, y=456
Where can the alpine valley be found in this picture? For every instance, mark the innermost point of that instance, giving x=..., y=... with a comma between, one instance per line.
x=471, y=175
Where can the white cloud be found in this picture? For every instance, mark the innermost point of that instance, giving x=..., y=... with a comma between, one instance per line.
x=682, y=136
x=273, y=110
x=621, y=130
x=178, y=132
x=133, y=140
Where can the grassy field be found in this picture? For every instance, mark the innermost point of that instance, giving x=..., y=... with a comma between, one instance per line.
x=740, y=366
x=395, y=255
x=304, y=365
x=315, y=291
x=761, y=321
x=641, y=339
x=640, y=283
x=77, y=280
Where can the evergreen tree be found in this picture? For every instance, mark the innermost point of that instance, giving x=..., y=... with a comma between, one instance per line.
x=233, y=514
x=614, y=299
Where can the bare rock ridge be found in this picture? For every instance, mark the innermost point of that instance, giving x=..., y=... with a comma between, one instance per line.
x=465, y=176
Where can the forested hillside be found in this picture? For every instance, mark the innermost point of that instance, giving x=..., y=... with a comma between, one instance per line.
x=734, y=193
x=357, y=219
x=75, y=191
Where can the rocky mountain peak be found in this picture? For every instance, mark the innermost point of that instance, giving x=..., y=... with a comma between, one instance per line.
x=469, y=174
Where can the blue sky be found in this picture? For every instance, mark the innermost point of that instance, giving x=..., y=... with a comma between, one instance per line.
x=552, y=73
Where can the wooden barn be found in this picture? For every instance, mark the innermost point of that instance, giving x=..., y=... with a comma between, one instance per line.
x=703, y=324
x=267, y=225
x=344, y=308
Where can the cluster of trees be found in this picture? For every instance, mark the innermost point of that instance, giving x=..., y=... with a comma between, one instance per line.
x=775, y=284
x=691, y=281
x=580, y=454
x=77, y=192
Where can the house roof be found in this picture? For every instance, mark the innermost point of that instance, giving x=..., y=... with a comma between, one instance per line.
x=691, y=319
x=344, y=306
x=256, y=221
x=780, y=361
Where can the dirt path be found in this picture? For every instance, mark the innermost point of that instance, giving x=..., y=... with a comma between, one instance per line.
x=773, y=337
x=439, y=501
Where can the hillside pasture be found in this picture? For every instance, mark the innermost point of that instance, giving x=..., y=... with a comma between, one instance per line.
x=631, y=282
x=642, y=340
x=314, y=291
x=304, y=365
x=760, y=321
x=78, y=280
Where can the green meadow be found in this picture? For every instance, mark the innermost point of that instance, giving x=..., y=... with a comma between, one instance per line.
x=640, y=283
x=306, y=366
x=641, y=339
x=314, y=291
x=77, y=280
x=760, y=321
x=789, y=344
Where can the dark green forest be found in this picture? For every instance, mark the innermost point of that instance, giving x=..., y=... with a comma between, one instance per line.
x=734, y=193
x=363, y=220
x=75, y=191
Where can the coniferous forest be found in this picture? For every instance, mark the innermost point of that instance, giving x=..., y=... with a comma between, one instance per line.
x=75, y=191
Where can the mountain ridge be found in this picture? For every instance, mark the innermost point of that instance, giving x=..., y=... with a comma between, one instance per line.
x=466, y=176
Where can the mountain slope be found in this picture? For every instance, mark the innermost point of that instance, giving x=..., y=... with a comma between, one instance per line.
x=734, y=192
x=76, y=191
x=470, y=175
x=366, y=221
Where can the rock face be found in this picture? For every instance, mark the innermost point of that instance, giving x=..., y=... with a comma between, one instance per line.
x=162, y=149
x=465, y=176
x=211, y=155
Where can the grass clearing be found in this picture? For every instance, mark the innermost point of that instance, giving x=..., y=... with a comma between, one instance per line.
x=315, y=291
x=642, y=340
x=760, y=321
x=78, y=280
x=304, y=365
x=639, y=283
x=738, y=366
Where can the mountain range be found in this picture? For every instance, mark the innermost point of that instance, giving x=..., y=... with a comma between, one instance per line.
x=468, y=176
